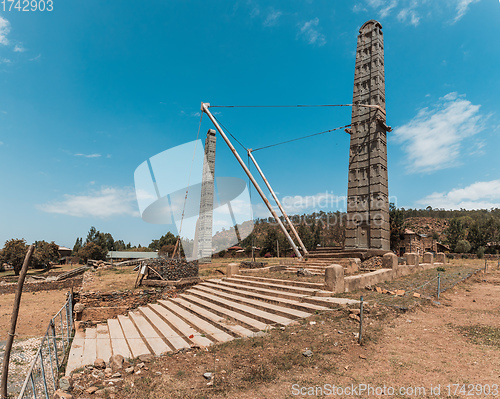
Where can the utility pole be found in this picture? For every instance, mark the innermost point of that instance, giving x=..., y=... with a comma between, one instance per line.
x=13, y=321
x=204, y=108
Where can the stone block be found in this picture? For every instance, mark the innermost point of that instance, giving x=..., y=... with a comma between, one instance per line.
x=390, y=261
x=334, y=278
x=429, y=258
x=232, y=269
x=59, y=394
x=440, y=257
x=412, y=259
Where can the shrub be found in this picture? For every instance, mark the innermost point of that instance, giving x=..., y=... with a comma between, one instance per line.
x=463, y=246
x=480, y=253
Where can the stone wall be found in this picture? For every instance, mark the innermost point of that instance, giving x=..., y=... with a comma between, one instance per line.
x=10, y=288
x=172, y=269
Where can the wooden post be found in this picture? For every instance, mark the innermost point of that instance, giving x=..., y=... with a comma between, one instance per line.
x=13, y=321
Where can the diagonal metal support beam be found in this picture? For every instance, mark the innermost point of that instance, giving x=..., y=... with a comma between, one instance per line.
x=204, y=108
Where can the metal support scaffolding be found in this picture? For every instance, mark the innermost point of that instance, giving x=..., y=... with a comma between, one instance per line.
x=204, y=108
x=278, y=203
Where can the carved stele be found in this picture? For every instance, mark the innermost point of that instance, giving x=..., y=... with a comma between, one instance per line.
x=367, y=195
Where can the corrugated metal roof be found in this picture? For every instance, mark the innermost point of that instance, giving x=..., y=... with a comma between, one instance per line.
x=131, y=255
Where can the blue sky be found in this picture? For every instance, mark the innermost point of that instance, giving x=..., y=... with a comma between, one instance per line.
x=92, y=89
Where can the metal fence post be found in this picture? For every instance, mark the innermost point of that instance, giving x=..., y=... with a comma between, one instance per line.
x=439, y=286
x=62, y=332
x=43, y=375
x=33, y=385
x=485, y=265
x=54, y=341
x=360, y=321
x=67, y=322
x=54, y=376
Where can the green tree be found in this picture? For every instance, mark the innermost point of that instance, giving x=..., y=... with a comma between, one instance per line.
x=463, y=246
x=45, y=255
x=270, y=242
x=478, y=236
x=455, y=232
x=167, y=239
x=92, y=235
x=78, y=245
x=396, y=222
x=92, y=251
x=13, y=253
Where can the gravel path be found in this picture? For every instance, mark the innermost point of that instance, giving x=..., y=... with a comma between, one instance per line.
x=22, y=354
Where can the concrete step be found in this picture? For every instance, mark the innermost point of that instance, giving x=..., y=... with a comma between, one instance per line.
x=267, y=306
x=259, y=290
x=89, y=347
x=274, y=286
x=194, y=336
x=295, y=283
x=104, y=351
x=173, y=339
x=212, y=332
x=119, y=345
x=293, y=270
x=234, y=329
x=75, y=356
x=266, y=296
x=248, y=322
x=154, y=342
x=134, y=339
x=250, y=311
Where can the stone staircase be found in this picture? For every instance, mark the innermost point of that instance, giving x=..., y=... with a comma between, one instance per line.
x=315, y=266
x=215, y=311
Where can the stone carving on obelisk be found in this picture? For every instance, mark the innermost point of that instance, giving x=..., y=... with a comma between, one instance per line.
x=367, y=195
x=203, y=236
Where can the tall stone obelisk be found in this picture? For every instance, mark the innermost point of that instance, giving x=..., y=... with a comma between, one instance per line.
x=367, y=194
x=203, y=237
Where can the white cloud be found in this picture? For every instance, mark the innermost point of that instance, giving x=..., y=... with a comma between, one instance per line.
x=4, y=31
x=1, y=142
x=410, y=11
x=407, y=14
x=480, y=195
x=104, y=203
x=387, y=8
x=432, y=139
x=88, y=155
x=19, y=48
x=462, y=8
x=311, y=34
x=4, y=61
x=272, y=18
x=358, y=8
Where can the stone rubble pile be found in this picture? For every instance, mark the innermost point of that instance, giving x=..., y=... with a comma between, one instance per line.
x=172, y=269
x=252, y=265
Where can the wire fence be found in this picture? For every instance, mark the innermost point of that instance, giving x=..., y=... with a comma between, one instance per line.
x=43, y=375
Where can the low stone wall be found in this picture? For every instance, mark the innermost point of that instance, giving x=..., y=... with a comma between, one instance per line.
x=252, y=265
x=75, y=283
x=336, y=281
x=172, y=269
x=352, y=283
x=100, y=306
x=131, y=299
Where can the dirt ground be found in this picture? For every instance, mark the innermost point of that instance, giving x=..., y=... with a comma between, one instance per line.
x=456, y=342
x=34, y=313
